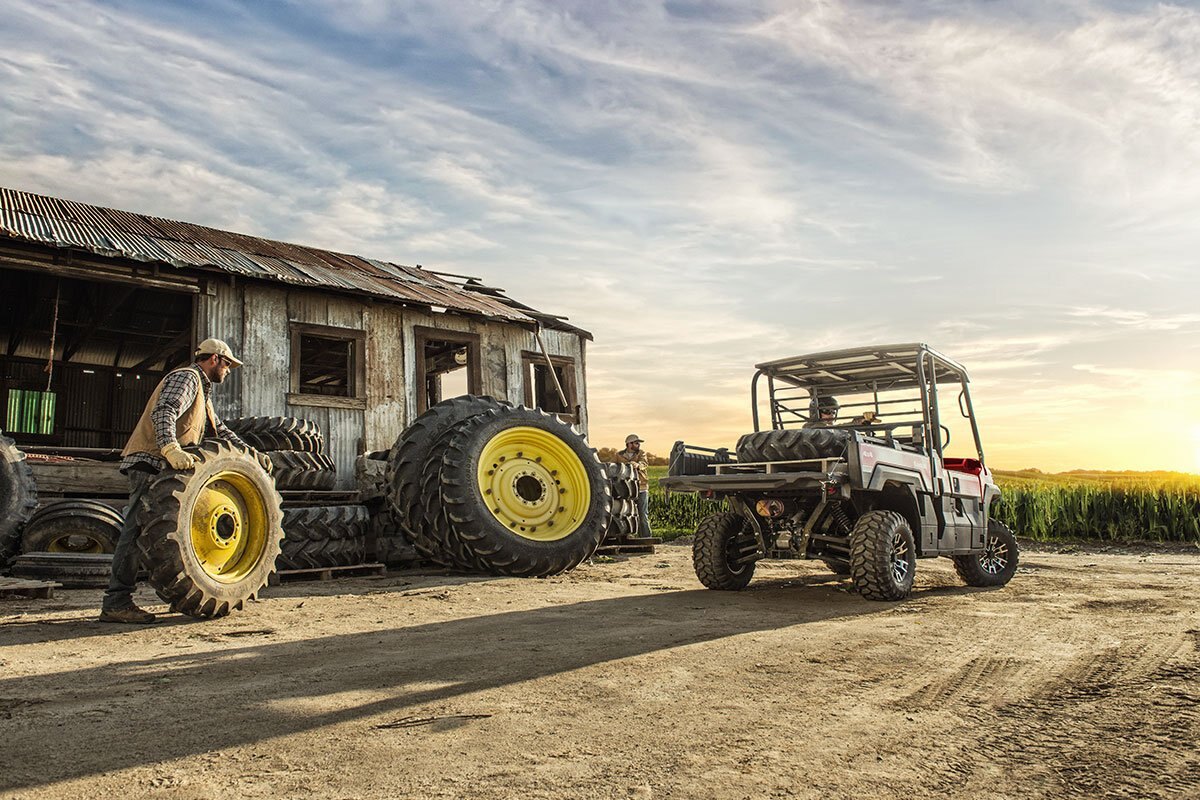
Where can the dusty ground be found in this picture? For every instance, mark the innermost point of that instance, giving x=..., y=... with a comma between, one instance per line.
x=623, y=679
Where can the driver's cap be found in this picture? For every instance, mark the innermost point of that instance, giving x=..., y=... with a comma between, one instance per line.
x=216, y=347
x=633, y=437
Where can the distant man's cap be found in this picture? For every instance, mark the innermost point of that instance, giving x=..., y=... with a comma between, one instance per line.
x=633, y=437
x=216, y=347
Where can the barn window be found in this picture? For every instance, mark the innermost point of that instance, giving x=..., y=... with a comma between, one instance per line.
x=542, y=389
x=448, y=365
x=328, y=366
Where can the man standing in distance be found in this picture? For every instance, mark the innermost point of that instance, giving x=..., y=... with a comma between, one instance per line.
x=178, y=414
x=632, y=454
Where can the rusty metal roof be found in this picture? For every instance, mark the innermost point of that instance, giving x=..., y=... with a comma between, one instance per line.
x=109, y=232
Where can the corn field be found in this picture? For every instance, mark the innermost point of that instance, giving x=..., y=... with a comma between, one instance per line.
x=1101, y=506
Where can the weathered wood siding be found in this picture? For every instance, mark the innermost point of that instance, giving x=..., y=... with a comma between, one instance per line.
x=255, y=320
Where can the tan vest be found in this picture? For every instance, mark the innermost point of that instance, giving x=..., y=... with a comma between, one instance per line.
x=189, y=428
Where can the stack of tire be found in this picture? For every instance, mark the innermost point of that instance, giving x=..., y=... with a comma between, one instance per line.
x=792, y=444
x=314, y=536
x=296, y=449
x=623, y=483
x=479, y=485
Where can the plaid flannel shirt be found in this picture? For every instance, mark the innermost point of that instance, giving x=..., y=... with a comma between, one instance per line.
x=178, y=393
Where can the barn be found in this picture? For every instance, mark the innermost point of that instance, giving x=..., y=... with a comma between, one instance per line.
x=96, y=304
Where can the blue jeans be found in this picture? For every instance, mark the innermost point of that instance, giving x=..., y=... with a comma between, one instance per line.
x=644, y=513
x=125, y=558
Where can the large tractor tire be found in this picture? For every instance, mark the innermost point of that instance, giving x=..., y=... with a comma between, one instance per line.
x=793, y=444
x=622, y=521
x=279, y=433
x=419, y=446
x=324, y=536
x=722, y=540
x=996, y=565
x=72, y=526
x=391, y=546
x=302, y=471
x=18, y=498
x=883, y=556
x=524, y=492
x=433, y=521
x=210, y=535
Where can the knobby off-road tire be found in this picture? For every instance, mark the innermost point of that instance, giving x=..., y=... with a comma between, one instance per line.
x=417, y=449
x=793, y=444
x=996, y=565
x=391, y=546
x=18, y=498
x=279, y=433
x=210, y=535
x=323, y=536
x=430, y=516
x=300, y=471
x=524, y=492
x=72, y=526
x=623, y=520
x=719, y=539
x=883, y=557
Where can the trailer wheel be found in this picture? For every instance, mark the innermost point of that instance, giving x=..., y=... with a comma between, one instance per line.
x=524, y=492
x=72, y=526
x=210, y=535
x=883, y=558
x=996, y=565
x=720, y=540
x=18, y=498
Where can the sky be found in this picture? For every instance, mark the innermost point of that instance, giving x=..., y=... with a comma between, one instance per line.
x=702, y=185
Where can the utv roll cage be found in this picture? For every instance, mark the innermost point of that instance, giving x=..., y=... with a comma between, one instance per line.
x=878, y=372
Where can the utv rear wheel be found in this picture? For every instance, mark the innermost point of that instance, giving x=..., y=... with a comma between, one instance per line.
x=883, y=556
x=722, y=541
x=996, y=565
x=210, y=535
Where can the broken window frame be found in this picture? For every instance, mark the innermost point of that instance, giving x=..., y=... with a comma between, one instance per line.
x=531, y=362
x=356, y=382
x=422, y=336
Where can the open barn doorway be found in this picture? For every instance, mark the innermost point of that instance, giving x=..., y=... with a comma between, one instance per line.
x=80, y=358
x=447, y=366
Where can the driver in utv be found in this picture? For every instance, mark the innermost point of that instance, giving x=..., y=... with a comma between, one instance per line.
x=823, y=411
x=178, y=414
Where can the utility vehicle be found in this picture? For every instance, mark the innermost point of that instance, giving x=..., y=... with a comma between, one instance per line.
x=869, y=496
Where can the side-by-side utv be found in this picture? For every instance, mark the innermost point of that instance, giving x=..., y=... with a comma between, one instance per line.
x=852, y=471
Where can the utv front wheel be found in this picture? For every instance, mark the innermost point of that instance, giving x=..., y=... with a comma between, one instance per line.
x=722, y=542
x=883, y=556
x=996, y=565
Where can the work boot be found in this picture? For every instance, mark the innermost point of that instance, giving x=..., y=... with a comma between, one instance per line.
x=131, y=615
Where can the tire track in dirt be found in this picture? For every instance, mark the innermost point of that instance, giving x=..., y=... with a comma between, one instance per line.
x=1123, y=722
x=985, y=680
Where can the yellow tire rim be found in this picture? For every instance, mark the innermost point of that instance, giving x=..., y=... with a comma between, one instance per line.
x=534, y=483
x=229, y=527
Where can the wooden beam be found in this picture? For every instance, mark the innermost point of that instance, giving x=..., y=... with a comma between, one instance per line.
x=180, y=340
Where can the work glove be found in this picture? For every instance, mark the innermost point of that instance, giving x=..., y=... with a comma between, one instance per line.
x=264, y=461
x=178, y=459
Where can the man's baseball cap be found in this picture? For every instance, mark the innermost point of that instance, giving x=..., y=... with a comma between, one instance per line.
x=633, y=437
x=216, y=347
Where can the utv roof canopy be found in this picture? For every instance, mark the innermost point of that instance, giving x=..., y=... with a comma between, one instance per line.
x=865, y=369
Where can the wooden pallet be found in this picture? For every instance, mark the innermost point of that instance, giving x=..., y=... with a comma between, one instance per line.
x=628, y=546
x=328, y=573
x=23, y=587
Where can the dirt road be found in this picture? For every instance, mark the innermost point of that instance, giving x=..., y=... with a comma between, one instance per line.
x=623, y=679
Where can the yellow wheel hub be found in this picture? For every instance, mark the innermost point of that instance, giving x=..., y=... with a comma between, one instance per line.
x=229, y=527
x=534, y=483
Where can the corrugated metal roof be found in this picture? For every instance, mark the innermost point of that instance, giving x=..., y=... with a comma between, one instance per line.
x=109, y=232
